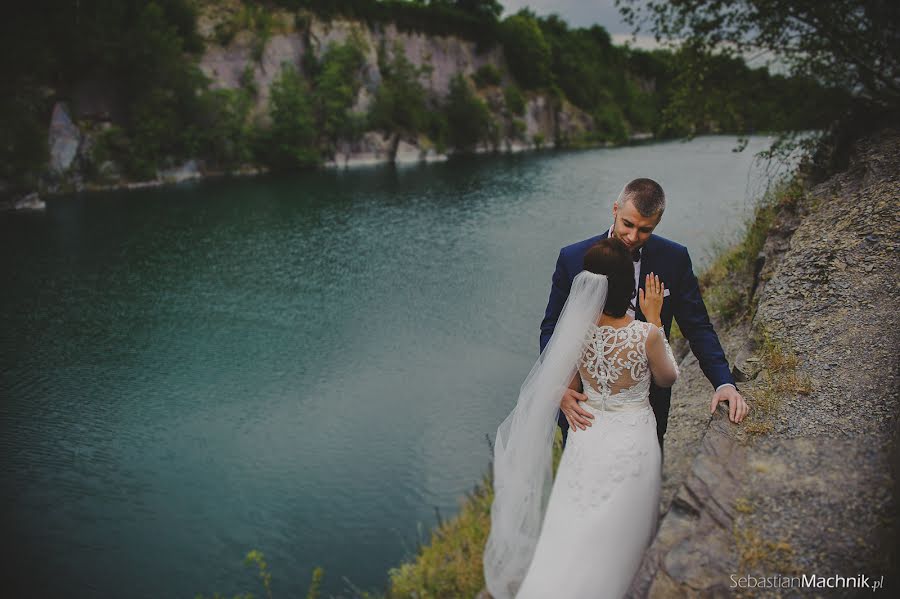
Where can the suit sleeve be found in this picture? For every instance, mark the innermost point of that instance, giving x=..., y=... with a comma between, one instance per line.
x=693, y=320
x=559, y=292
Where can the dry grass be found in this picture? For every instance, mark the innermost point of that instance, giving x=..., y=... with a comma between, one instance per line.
x=727, y=281
x=780, y=377
x=758, y=554
x=451, y=564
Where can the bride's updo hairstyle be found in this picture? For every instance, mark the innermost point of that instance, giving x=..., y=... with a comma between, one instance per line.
x=611, y=258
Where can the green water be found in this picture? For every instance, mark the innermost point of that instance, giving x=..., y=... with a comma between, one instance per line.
x=305, y=365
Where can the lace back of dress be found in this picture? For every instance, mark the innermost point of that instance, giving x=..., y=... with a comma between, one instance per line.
x=615, y=360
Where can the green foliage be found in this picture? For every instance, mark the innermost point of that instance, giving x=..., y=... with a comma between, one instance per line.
x=468, y=118
x=256, y=558
x=400, y=102
x=487, y=75
x=451, y=564
x=726, y=283
x=164, y=112
x=701, y=93
x=137, y=48
x=609, y=123
x=480, y=9
x=585, y=66
x=248, y=81
x=227, y=137
x=515, y=101
x=336, y=85
x=291, y=141
x=844, y=44
x=317, y=575
x=517, y=129
x=23, y=131
x=527, y=52
x=471, y=19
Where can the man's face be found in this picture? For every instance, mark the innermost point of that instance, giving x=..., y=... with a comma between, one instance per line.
x=631, y=227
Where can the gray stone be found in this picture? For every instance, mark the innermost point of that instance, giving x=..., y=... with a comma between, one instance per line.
x=64, y=139
x=32, y=201
x=187, y=171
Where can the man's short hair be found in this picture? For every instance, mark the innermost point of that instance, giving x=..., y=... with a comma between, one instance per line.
x=646, y=195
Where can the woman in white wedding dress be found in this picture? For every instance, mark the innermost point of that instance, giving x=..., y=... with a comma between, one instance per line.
x=586, y=539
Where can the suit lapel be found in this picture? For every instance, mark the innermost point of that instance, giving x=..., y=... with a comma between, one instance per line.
x=647, y=255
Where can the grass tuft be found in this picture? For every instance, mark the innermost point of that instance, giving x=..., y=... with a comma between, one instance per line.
x=727, y=282
x=780, y=377
x=451, y=564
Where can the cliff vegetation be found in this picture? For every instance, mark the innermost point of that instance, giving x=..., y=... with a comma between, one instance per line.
x=106, y=93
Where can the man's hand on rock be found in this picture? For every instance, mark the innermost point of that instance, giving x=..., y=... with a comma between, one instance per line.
x=577, y=416
x=737, y=407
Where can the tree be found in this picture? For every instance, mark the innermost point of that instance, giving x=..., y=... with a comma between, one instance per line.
x=468, y=117
x=526, y=50
x=337, y=83
x=399, y=104
x=849, y=44
x=483, y=9
x=291, y=141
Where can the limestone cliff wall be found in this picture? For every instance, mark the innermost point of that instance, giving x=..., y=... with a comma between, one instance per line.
x=249, y=56
x=546, y=123
x=808, y=484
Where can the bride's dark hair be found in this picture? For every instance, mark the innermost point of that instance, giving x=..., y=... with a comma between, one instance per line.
x=610, y=257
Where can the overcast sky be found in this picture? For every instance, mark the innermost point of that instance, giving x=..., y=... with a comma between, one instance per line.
x=577, y=13
x=584, y=13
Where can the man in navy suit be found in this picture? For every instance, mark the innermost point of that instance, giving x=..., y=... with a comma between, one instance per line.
x=636, y=213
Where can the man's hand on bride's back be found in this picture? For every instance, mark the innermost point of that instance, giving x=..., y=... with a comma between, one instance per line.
x=577, y=416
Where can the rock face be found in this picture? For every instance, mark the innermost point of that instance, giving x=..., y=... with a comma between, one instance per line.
x=547, y=123
x=253, y=59
x=226, y=66
x=64, y=139
x=817, y=493
x=445, y=56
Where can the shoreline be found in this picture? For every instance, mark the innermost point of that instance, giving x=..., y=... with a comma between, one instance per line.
x=192, y=170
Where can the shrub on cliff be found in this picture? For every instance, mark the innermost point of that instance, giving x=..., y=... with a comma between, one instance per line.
x=609, y=123
x=400, y=101
x=514, y=100
x=468, y=118
x=487, y=75
x=527, y=52
x=336, y=85
x=291, y=141
x=226, y=133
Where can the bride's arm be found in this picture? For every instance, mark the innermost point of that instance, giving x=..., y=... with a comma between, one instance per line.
x=660, y=358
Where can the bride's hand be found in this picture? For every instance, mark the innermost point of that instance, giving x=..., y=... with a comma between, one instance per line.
x=651, y=298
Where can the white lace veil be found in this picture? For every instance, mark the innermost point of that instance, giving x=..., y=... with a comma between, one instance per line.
x=523, y=447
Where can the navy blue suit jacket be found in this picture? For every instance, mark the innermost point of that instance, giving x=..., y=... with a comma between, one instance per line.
x=672, y=263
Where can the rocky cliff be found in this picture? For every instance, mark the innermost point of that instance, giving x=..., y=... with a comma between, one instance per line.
x=238, y=53
x=808, y=484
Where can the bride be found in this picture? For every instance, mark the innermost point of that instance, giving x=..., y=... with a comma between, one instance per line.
x=585, y=537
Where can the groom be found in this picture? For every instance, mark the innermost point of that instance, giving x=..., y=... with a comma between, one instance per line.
x=636, y=213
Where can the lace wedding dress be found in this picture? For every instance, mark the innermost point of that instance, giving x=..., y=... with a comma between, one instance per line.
x=603, y=506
